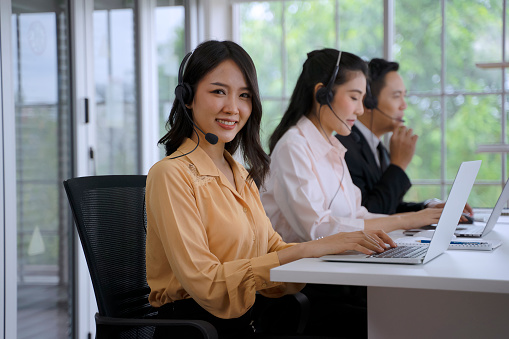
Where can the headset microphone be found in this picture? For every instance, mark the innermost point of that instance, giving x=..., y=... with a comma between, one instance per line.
x=371, y=102
x=184, y=94
x=388, y=116
x=330, y=107
x=211, y=138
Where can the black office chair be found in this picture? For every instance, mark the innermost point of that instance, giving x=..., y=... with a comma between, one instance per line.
x=109, y=212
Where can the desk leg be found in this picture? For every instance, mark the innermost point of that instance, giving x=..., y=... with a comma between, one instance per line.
x=417, y=313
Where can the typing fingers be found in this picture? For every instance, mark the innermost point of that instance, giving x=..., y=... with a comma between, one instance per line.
x=365, y=241
x=384, y=238
x=373, y=241
x=366, y=247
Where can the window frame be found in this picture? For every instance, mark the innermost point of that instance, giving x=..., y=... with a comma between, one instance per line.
x=8, y=236
x=389, y=24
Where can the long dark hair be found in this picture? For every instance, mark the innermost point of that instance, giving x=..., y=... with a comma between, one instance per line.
x=318, y=68
x=207, y=56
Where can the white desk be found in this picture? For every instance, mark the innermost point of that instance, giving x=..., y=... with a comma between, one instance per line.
x=459, y=294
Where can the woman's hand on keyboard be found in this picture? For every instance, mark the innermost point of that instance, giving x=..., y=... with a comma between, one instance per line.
x=427, y=216
x=368, y=242
x=362, y=241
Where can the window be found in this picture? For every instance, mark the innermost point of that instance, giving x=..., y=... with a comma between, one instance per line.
x=46, y=90
x=41, y=73
x=170, y=44
x=296, y=28
x=117, y=119
x=454, y=106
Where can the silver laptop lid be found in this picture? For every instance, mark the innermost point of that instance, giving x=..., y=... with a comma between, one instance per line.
x=497, y=210
x=453, y=208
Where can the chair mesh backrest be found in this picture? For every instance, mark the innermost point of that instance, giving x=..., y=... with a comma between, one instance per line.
x=109, y=212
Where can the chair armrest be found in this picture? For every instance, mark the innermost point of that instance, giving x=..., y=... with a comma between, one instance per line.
x=207, y=330
x=305, y=310
x=287, y=314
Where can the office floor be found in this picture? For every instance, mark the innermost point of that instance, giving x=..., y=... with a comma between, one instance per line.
x=42, y=313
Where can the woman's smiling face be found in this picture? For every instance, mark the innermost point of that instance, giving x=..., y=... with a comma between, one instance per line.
x=222, y=102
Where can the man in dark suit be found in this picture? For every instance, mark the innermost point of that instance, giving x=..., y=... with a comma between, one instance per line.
x=380, y=175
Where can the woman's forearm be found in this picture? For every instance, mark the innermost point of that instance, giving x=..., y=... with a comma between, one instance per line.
x=362, y=241
x=388, y=224
x=406, y=220
x=293, y=253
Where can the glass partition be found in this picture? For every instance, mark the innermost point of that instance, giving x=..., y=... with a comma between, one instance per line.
x=41, y=74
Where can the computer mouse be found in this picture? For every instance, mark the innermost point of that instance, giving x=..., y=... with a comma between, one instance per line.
x=470, y=220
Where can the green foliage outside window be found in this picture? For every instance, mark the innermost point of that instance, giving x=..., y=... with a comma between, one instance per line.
x=170, y=40
x=453, y=105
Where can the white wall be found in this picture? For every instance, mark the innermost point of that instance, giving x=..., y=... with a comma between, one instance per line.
x=217, y=19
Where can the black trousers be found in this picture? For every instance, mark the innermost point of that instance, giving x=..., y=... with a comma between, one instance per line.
x=337, y=311
x=267, y=317
x=190, y=309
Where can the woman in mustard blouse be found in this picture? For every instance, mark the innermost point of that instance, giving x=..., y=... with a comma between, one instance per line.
x=210, y=246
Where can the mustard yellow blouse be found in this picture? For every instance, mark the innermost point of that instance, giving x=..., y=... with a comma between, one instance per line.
x=207, y=239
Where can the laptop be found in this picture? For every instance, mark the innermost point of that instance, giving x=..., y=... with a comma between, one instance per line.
x=480, y=229
x=443, y=234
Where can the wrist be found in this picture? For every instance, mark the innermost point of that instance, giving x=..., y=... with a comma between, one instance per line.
x=292, y=253
x=431, y=202
x=398, y=221
x=307, y=249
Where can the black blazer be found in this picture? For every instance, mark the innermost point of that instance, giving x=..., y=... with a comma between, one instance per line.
x=381, y=192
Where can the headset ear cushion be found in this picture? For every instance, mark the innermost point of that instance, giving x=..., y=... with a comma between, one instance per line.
x=370, y=102
x=324, y=96
x=188, y=97
x=184, y=93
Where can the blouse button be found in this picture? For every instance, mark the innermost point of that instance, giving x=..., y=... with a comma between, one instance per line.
x=245, y=209
x=264, y=285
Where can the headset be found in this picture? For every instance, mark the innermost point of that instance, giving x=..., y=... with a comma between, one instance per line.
x=184, y=91
x=371, y=102
x=184, y=94
x=324, y=96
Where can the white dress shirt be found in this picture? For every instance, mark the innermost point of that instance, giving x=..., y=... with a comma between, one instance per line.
x=372, y=140
x=309, y=193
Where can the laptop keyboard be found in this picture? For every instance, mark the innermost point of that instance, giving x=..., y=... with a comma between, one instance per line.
x=470, y=230
x=402, y=252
